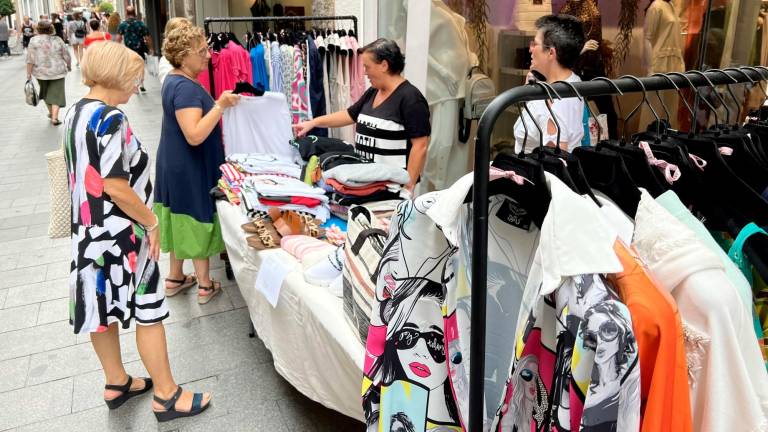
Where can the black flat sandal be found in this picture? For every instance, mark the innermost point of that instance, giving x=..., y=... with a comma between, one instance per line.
x=171, y=413
x=126, y=392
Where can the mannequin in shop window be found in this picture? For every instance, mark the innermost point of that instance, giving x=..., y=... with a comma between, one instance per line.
x=554, y=52
x=450, y=58
x=663, y=52
x=596, y=57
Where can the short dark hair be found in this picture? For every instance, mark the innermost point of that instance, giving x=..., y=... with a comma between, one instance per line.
x=130, y=11
x=95, y=24
x=386, y=49
x=565, y=34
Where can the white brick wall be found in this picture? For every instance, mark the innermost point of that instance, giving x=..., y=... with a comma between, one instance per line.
x=526, y=13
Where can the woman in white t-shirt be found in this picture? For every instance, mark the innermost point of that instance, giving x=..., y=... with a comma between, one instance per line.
x=554, y=51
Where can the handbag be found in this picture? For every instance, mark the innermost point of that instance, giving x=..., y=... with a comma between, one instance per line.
x=59, y=224
x=363, y=251
x=30, y=93
x=153, y=66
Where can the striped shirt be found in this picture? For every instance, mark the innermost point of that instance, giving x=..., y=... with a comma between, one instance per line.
x=384, y=133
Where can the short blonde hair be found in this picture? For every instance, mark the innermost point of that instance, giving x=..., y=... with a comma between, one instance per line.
x=179, y=43
x=175, y=23
x=111, y=65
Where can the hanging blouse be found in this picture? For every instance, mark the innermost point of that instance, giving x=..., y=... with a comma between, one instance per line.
x=572, y=330
x=299, y=100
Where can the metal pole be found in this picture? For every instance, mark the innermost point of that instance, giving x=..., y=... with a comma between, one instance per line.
x=480, y=197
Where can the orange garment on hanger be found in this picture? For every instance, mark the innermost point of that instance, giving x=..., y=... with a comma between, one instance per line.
x=665, y=399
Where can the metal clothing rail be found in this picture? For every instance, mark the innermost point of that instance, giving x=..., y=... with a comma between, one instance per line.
x=207, y=21
x=480, y=191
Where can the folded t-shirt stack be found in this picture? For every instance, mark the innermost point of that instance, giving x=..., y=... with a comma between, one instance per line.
x=242, y=165
x=265, y=163
x=260, y=192
x=361, y=183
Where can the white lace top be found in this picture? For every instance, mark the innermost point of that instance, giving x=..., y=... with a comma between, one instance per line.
x=728, y=379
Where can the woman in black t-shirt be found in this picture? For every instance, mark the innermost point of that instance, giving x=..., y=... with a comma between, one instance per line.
x=392, y=117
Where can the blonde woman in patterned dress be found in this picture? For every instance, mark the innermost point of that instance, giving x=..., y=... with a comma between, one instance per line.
x=115, y=236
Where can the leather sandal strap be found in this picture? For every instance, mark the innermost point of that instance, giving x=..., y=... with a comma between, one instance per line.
x=209, y=288
x=121, y=388
x=197, y=401
x=170, y=404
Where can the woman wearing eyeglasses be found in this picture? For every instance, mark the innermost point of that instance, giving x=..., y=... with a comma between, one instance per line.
x=554, y=52
x=188, y=160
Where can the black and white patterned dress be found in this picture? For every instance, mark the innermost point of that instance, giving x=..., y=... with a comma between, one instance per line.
x=112, y=278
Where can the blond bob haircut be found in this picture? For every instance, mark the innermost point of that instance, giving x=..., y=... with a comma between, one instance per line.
x=180, y=42
x=111, y=65
x=175, y=23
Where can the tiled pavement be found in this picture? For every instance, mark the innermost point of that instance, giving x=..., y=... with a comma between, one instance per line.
x=49, y=377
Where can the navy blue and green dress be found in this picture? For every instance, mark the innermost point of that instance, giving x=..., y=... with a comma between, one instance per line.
x=189, y=225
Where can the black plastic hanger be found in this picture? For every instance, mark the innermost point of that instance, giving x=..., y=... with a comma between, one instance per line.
x=635, y=159
x=566, y=160
x=246, y=87
x=606, y=172
x=635, y=110
x=551, y=164
x=734, y=149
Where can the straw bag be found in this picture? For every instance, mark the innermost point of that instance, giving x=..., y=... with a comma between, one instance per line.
x=363, y=251
x=61, y=207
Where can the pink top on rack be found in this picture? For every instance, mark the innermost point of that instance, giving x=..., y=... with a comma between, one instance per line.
x=356, y=73
x=230, y=65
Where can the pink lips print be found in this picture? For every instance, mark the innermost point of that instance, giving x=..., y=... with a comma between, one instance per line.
x=420, y=370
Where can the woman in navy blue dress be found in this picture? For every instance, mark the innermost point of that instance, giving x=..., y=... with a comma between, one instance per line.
x=188, y=160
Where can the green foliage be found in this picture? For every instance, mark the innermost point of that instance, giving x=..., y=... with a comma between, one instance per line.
x=106, y=7
x=6, y=8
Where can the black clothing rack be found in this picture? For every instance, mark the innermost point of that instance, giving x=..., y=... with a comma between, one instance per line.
x=209, y=20
x=480, y=191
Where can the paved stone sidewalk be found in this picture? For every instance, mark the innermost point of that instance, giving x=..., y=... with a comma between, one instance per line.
x=49, y=377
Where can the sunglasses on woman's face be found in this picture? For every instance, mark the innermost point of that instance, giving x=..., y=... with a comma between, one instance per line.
x=607, y=332
x=526, y=375
x=407, y=339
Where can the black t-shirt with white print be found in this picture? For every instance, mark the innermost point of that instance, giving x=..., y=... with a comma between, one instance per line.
x=384, y=133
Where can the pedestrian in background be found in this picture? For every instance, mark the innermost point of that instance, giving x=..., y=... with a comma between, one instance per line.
x=77, y=31
x=103, y=22
x=113, y=23
x=115, y=237
x=58, y=26
x=135, y=35
x=96, y=34
x=48, y=60
x=27, y=31
x=4, y=35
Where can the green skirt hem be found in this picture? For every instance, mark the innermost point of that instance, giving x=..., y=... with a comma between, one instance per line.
x=186, y=237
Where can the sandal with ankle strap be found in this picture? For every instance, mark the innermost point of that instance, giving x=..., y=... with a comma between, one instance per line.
x=181, y=284
x=171, y=413
x=212, y=290
x=127, y=393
